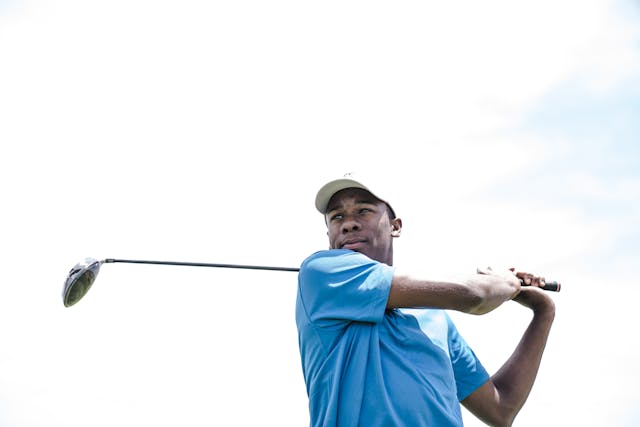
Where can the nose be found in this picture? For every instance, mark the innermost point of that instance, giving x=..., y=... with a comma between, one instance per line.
x=350, y=225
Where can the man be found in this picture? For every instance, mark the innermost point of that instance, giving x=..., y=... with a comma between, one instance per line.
x=376, y=345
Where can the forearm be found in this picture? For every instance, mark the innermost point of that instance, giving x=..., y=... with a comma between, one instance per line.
x=475, y=294
x=515, y=379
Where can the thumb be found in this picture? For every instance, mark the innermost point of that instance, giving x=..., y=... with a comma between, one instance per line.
x=487, y=270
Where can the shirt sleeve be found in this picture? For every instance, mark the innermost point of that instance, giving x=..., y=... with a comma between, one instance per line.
x=342, y=285
x=467, y=369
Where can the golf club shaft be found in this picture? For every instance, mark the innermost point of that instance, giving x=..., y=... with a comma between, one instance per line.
x=201, y=264
x=549, y=286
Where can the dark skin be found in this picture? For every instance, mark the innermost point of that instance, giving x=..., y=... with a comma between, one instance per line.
x=357, y=220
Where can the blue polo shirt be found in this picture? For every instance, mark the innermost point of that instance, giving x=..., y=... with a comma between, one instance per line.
x=367, y=366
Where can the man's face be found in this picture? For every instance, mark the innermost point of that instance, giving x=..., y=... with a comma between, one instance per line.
x=359, y=221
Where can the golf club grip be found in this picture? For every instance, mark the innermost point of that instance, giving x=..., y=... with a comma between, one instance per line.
x=548, y=286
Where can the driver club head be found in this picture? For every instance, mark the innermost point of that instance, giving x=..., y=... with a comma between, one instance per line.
x=79, y=281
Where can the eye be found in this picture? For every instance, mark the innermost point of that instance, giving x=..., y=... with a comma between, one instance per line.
x=335, y=217
x=363, y=211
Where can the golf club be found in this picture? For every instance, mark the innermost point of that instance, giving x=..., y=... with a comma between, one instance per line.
x=83, y=274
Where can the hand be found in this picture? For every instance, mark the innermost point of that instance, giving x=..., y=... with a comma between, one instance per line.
x=528, y=295
x=529, y=279
x=507, y=275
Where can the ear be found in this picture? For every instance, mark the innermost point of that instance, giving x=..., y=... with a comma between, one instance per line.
x=396, y=227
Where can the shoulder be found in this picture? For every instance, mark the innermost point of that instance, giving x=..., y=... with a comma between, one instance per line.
x=339, y=267
x=335, y=260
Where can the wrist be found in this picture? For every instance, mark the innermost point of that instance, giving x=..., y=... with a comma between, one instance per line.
x=546, y=310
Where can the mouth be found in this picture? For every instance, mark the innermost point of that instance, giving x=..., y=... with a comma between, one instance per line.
x=352, y=244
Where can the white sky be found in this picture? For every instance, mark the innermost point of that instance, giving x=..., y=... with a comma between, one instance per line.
x=200, y=131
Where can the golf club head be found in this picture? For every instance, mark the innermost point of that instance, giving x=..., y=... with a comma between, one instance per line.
x=79, y=281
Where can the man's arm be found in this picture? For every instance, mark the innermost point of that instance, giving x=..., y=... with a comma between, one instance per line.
x=477, y=294
x=499, y=400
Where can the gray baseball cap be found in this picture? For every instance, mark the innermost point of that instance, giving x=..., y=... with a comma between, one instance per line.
x=347, y=181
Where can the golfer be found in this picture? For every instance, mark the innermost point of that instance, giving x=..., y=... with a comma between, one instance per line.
x=377, y=346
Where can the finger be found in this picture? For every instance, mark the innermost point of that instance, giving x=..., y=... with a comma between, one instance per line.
x=525, y=277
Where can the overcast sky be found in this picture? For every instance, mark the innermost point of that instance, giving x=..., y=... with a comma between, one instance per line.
x=507, y=134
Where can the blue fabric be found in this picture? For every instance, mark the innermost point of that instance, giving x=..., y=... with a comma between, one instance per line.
x=367, y=366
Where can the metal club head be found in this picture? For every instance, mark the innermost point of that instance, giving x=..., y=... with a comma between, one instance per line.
x=79, y=281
